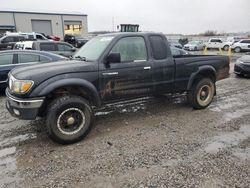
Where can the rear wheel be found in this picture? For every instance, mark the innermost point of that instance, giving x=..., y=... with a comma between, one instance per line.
x=237, y=49
x=202, y=93
x=69, y=119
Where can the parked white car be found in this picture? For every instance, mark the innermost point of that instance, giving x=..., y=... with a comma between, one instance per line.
x=216, y=43
x=242, y=45
x=29, y=36
x=194, y=46
x=230, y=41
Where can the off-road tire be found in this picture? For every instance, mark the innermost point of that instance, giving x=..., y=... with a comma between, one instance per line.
x=237, y=50
x=195, y=96
x=61, y=106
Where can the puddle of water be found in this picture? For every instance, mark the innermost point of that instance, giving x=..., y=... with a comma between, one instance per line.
x=237, y=114
x=226, y=103
x=102, y=113
x=243, y=154
x=11, y=126
x=17, y=139
x=228, y=139
x=8, y=167
x=7, y=151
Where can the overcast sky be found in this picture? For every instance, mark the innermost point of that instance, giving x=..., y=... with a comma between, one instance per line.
x=168, y=16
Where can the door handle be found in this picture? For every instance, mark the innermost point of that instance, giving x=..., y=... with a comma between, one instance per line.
x=110, y=73
x=147, y=68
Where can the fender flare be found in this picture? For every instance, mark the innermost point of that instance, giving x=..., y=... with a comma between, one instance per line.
x=203, y=70
x=44, y=89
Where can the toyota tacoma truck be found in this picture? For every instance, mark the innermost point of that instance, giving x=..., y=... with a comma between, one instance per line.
x=109, y=68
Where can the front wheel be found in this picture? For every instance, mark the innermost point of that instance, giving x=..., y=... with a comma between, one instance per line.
x=202, y=93
x=226, y=48
x=69, y=119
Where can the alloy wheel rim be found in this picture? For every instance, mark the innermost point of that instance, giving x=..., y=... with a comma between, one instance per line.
x=71, y=121
x=205, y=95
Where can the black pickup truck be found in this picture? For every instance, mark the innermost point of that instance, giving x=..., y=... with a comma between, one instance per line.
x=107, y=69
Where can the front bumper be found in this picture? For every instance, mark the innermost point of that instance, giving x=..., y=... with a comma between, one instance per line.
x=26, y=109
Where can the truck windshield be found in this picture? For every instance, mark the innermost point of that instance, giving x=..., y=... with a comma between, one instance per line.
x=92, y=50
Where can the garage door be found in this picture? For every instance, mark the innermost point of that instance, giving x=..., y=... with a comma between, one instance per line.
x=42, y=26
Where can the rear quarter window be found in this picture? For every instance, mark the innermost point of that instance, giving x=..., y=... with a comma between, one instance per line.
x=159, y=47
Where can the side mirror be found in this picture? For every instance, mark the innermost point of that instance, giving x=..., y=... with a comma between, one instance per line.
x=73, y=49
x=113, y=58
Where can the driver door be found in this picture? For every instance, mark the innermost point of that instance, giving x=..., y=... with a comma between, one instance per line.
x=129, y=78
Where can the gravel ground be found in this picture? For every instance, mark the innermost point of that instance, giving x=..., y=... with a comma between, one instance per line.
x=149, y=142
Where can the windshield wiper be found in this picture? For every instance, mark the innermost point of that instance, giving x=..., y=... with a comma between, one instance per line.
x=80, y=57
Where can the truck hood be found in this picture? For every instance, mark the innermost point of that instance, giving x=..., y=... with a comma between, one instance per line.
x=48, y=70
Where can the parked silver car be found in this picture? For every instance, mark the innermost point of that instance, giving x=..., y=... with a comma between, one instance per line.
x=194, y=46
x=60, y=48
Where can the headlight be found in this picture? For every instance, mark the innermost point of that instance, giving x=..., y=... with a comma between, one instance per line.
x=239, y=62
x=19, y=86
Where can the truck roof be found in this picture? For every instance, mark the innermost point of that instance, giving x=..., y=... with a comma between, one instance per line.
x=131, y=34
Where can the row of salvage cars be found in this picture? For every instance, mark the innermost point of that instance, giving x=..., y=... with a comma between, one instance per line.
x=237, y=45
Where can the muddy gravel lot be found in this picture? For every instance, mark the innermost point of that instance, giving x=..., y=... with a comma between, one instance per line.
x=148, y=142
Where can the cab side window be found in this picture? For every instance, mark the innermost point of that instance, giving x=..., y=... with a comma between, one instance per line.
x=6, y=59
x=131, y=49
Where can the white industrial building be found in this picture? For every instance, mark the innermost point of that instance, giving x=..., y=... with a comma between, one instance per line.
x=57, y=24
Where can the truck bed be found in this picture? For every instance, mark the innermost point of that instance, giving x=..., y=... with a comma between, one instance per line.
x=189, y=64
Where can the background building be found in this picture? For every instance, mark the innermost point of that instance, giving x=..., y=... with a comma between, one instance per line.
x=57, y=24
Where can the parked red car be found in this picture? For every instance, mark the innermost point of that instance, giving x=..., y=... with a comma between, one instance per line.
x=52, y=37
